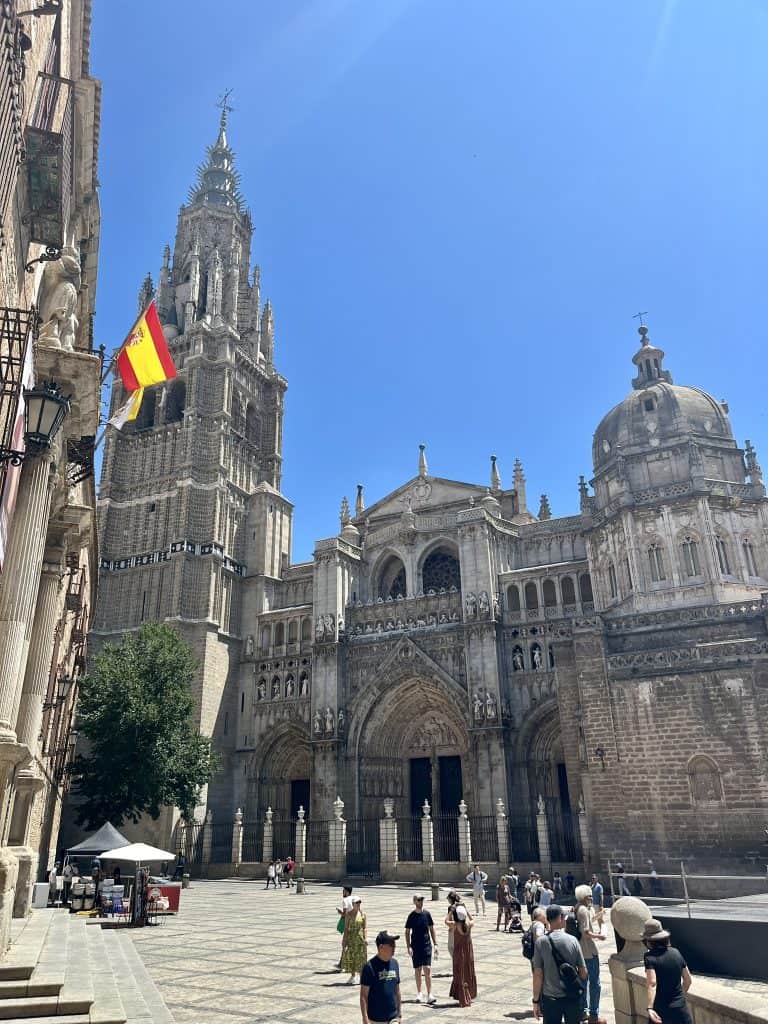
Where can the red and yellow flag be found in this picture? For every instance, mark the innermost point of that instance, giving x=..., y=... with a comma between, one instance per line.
x=144, y=358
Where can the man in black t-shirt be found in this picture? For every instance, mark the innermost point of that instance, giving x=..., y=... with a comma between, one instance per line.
x=420, y=938
x=380, y=983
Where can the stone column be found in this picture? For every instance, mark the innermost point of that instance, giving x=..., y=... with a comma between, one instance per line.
x=545, y=850
x=266, y=850
x=337, y=835
x=18, y=595
x=207, y=836
x=8, y=873
x=502, y=834
x=427, y=835
x=465, y=839
x=237, y=841
x=586, y=844
x=628, y=917
x=28, y=781
x=388, y=835
x=300, y=855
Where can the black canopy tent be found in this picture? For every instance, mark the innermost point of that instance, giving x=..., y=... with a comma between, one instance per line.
x=107, y=838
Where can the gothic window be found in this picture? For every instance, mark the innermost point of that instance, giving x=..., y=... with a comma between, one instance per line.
x=613, y=586
x=306, y=630
x=279, y=634
x=513, y=598
x=722, y=556
x=585, y=588
x=568, y=590
x=705, y=781
x=252, y=426
x=146, y=417
x=656, y=562
x=440, y=571
x=550, y=594
x=392, y=579
x=749, y=558
x=531, y=596
x=690, y=551
x=293, y=631
x=175, y=401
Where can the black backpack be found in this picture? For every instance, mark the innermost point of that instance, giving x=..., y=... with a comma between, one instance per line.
x=528, y=943
x=572, y=926
x=569, y=974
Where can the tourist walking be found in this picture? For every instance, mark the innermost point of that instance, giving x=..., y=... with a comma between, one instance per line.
x=477, y=879
x=534, y=933
x=68, y=872
x=514, y=882
x=342, y=911
x=597, y=894
x=52, y=883
x=380, y=984
x=279, y=873
x=503, y=902
x=288, y=870
x=590, y=934
x=464, y=984
x=354, y=951
x=271, y=877
x=546, y=896
x=569, y=880
x=667, y=977
x=621, y=881
x=420, y=941
x=656, y=890
x=559, y=972
x=557, y=885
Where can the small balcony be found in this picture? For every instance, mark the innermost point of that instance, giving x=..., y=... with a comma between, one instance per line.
x=48, y=139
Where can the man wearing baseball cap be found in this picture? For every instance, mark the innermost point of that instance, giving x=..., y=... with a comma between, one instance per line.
x=380, y=984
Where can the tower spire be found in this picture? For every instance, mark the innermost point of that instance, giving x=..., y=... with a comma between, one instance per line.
x=423, y=469
x=495, y=478
x=359, y=503
x=649, y=361
x=344, y=517
x=218, y=183
x=519, y=484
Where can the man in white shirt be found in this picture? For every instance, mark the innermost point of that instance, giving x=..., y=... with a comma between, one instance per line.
x=477, y=879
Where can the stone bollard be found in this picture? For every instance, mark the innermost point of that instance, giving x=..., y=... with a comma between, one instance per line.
x=628, y=917
x=208, y=836
x=301, y=838
x=388, y=835
x=465, y=835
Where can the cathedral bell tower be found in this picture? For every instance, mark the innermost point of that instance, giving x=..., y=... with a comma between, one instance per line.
x=188, y=489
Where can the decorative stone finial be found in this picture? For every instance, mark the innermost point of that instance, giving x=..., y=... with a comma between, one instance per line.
x=519, y=484
x=389, y=807
x=462, y=808
x=268, y=815
x=300, y=814
x=345, y=516
x=359, y=502
x=628, y=917
x=495, y=477
x=583, y=495
x=425, y=810
x=649, y=361
x=166, y=257
x=338, y=808
x=209, y=817
x=146, y=293
x=500, y=812
x=540, y=805
x=239, y=816
x=422, y=460
x=545, y=512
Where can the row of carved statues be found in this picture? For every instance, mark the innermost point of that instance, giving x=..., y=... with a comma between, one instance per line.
x=324, y=724
x=394, y=625
x=480, y=606
x=402, y=597
x=290, y=688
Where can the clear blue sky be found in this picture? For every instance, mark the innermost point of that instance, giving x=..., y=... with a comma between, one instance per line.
x=458, y=207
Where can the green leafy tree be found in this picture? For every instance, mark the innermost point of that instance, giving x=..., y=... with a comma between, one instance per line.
x=137, y=711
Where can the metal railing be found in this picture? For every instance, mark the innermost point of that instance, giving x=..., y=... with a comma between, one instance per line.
x=446, y=833
x=409, y=846
x=317, y=840
x=692, y=890
x=253, y=842
x=485, y=838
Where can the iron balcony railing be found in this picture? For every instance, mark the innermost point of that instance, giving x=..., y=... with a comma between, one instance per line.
x=49, y=159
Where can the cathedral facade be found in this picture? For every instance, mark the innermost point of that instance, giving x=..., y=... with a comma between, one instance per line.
x=448, y=643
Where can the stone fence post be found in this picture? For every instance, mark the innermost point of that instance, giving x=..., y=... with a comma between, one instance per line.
x=207, y=836
x=545, y=850
x=300, y=855
x=266, y=849
x=427, y=835
x=628, y=918
x=502, y=834
x=337, y=835
x=465, y=837
x=237, y=841
x=586, y=845
x=388, y=835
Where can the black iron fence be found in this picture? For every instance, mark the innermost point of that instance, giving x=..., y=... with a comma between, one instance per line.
x=221, y=843
x=409, y=839
x=317, y=840
x=446, y=833
x=523, y=839
x=253, y=842
x=563, y=826
x=363, y=855
x=283, y=838
x=191, y=843
x=485, y=838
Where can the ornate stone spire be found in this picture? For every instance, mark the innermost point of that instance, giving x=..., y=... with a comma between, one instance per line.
x=545, y=512
x=649, y=361
x=268, y=332
x=495, y=478
x=583, y=495
x=146, y=292
x=519, y=485
x=753, y=466
x=218, y=183
x=423, y=469
x=359, y=502
x=345, y=516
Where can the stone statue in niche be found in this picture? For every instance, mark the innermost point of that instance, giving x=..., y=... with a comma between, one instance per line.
x=490, y=706
x=536, y=656
x=318, y=724
x=431, y=619
x=289, y=687
x=477, y=707
x=471, y=604
x=484, y=605
x=303, y=686
x=443, y=617
x=275, y=688
x=328, y=722
x=261, y=690
x=540, y=805
x=341, y=627
x=496, y=608
x=249, y=646
x=57, y=311
x=517, y=660
x=340, y=722
x=319, y=628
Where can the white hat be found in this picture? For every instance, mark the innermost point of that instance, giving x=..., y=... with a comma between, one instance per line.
x=461, y=913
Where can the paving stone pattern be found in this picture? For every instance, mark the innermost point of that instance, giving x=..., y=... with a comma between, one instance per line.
x=239, y=955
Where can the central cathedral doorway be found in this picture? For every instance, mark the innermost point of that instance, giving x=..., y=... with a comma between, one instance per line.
x=438, y=780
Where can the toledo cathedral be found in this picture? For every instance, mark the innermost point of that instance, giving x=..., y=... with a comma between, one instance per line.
x=608, y=668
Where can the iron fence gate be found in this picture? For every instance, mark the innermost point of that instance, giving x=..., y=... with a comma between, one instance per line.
x=283, y=838
x=253, y=842
x=317, y=840
x=363, y=855
x=191, y=843
x=221, y=843
x=564, y=839
x=485, y=839
x=409, y=839
x=446, y=833
x=523, y=840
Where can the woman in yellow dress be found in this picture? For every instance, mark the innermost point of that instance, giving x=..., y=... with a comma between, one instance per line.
x=355, y=953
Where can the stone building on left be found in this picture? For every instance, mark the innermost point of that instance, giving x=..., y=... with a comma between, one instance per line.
x=49, y=415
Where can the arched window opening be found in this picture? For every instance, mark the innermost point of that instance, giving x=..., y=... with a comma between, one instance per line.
x=513, y=598
x=690, y=550
x=705, y=780
x=252, y=426
x=722, y=556
x=568, y=590
x=175, y=401
x=440, y=571
x=293, y=631
x=656, y=563
x=550, y=594
x=146, y=417
x=585, y=588
x=613, y=585
x=749, y=558
x=531, y=596
x=306, y=630
x=279, y=634
x=392, y=579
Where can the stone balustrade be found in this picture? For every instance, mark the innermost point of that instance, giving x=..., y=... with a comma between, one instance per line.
x=424, y=611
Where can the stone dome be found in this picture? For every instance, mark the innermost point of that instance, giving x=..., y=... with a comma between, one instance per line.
x=658, y=412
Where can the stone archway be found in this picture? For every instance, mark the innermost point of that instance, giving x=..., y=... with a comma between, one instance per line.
x=284, y=762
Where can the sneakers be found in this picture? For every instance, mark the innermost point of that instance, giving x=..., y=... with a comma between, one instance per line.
x=431, y=1001
x=420, y=997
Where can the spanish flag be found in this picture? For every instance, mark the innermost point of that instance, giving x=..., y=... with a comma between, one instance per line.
x=129, y=410
x=144, y=358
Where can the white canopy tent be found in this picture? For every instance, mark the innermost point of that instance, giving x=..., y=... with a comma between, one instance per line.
x=138, y=853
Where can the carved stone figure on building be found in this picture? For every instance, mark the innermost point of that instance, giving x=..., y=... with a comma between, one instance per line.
x=490, y=707
x=536, y=656
x=319, y=628
x=477, y=706
x=275, y=688
x=304, y=686
x=318, y=724
x=517, y=660
x=471, y=605
x=340, y=722
x=58, y=308
x=289, y=687
x=328, y=722
x=249, y=646
x=261, y=690
x=483, y=604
